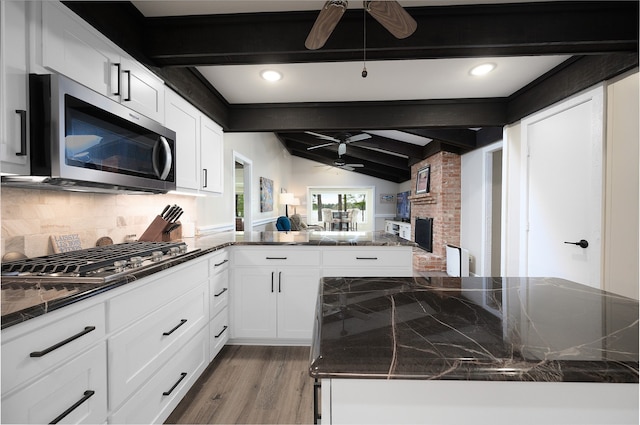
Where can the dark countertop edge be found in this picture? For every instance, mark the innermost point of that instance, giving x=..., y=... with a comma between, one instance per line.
x=23, y=315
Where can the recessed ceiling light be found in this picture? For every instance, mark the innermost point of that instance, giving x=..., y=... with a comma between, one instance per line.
x=271, y=75
x=483, y=69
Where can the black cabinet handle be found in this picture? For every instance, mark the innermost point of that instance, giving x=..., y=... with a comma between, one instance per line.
x=279, y=281
x=182, y=322
x=276, y=258
x=316, y=401
x=86, y=396
x=182, y=376
x=219, y=264
x=221, y=292
x=23, y=132
x=272, y=281
x=366, y=258
x=205, y=177
x=222, y=331
x=128, y=98
x=582, y=244
x=61, y=343
x=117, y=91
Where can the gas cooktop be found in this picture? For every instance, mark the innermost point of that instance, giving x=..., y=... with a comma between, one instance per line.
x=95, y=265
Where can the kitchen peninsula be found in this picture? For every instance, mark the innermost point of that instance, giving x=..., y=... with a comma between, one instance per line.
x=474, y=350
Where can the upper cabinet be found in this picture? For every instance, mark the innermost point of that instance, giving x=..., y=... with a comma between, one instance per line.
x=13, y=86
x=72, y=47
x=199, y=146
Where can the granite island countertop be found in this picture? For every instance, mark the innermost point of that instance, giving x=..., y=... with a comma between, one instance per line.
x=484, y=329
x=23, y=300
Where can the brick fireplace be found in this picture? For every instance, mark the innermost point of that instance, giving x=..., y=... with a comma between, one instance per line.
x=442, y=203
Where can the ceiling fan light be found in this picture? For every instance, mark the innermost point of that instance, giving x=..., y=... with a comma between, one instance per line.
x=482, y=69
x=271, y=75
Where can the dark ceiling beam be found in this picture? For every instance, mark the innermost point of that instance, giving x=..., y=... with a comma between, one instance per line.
x=461, y=113
x=539, y=28
x=463, y=137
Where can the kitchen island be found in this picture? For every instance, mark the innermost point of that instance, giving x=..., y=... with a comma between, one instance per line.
x=474, y=350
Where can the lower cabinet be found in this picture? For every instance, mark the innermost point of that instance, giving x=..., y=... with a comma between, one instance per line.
x=274, y=303
x=75, y=392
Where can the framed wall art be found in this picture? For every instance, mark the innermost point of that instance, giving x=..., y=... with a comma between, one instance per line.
x=266, y=194
x=423, y=180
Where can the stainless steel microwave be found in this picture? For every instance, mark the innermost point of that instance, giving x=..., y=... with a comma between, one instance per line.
x=82, y=140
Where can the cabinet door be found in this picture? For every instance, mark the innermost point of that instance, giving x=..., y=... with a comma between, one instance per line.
x=72, y=49
x=142, y=91
x=211, y=158
x=80, y=382
x=297, y=294
x=184, y=119
x=253, y=297
x=13, y=85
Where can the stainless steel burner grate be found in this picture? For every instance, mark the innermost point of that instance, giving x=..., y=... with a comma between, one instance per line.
x=87, y=260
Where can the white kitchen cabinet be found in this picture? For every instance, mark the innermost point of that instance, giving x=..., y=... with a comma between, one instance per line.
x=211, y=156
x=199, y=146
x=219, y=330
x=273, y=294
x=71, y=47
x=75, y=392
x=14, y=25
x=367, y=261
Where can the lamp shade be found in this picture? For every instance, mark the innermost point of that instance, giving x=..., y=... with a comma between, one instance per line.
x=286, y=198
x=296, y=201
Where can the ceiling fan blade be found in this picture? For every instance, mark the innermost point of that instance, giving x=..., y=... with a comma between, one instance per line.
x=392, y=16
x=323, y=136
x=325, y=23
x=346, y=168
x=319, y=146
x=354, y=165
x=358, y=137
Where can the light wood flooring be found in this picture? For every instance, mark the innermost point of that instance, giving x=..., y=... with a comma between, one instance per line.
x=251, y=385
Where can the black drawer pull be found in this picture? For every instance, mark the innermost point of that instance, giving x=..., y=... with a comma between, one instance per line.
x=221, y=292
x=61, y=343
x=128, y=98
x=222, y=331
x=23, y=132
x=117, y=90
x=219, y=264
x=276, y=258
x=182, y=376
x=86, y=396
x=366, y=258
x=182, y=322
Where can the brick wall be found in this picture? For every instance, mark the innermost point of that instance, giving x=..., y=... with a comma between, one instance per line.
x=442, y=203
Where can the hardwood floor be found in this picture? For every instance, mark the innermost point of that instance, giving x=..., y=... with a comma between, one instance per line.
x=251, y=385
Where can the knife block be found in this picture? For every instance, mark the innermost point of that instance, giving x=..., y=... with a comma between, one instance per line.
x=154, y=232
x=173, y=235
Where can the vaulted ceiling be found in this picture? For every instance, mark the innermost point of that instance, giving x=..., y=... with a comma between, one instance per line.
x=207, y=51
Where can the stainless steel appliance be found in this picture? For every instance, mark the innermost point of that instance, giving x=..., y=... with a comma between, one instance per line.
x=102, y=264
x=81, y=140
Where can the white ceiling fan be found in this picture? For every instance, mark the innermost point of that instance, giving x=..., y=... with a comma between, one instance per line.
x=342, y=140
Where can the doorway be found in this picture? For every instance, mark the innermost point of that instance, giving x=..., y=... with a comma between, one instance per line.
x=492, y=223
x=242, y=171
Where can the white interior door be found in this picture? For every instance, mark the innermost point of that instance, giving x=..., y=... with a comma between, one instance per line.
x=563, y=193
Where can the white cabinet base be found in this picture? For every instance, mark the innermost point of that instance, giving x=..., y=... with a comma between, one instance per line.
x=380, y=401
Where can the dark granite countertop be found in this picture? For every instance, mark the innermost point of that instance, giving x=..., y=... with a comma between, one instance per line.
x=26, y=299
x=489, y=329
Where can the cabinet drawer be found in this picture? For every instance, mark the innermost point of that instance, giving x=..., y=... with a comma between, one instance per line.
x=274, y=256
x=82, y=381
x=367, y=257
x=219, y=262
x=158, y=289
x=219, y=292
x=161, y=394
x=44, y=342
x=139, y=350
x=219, y=333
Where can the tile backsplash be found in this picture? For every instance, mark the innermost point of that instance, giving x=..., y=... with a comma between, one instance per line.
x=30, y=217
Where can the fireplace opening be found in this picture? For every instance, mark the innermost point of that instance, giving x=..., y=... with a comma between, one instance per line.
x=424, y=233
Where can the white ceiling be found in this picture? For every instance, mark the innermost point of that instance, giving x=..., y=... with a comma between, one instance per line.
x=342, y=81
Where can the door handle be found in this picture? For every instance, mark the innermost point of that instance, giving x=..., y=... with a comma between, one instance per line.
x=581, y=244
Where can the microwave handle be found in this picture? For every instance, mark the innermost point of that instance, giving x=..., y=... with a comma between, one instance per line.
x=168, y=159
